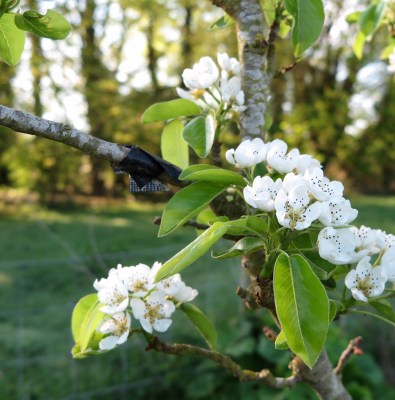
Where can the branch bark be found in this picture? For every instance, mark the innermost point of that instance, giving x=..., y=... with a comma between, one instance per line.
x=21, y=121
x=247, y=15
x=244, y=375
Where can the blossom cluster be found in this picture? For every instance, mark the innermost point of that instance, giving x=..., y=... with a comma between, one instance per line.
x=213, y=85
x=150, y=303
x=301, y=196
x=373, y=252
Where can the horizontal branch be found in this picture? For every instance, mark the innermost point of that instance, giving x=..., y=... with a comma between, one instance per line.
x=21, y=121
x=223, y=361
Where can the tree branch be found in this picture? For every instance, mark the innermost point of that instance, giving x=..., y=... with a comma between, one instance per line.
x=352, y=348
x=223, y=361
x=21, y=121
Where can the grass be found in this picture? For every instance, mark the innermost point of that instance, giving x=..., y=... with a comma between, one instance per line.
x=50, y=258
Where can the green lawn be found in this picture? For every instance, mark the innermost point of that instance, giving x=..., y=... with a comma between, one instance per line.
x=49, y=259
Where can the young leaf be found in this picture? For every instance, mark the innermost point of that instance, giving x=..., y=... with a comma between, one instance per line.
x=384, y=307
x=245, y=245
x=281, y=342
x=202, y=324
x=52, y=25
x=302, y=307
x=199, y=134
x=173, y=146
x=371, y=18
x=192, y=252
x=359, y=42
x=79, y=313
x=332, y=310
x=322, y=268
x=222, y=23
x=308, y=21
x=170, y=109
x=12, y=39
x=210, y=173
x=187, y=203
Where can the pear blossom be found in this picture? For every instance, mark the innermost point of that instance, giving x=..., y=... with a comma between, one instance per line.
x=262, y=193
x=387, y=262
x=389, y=241
x=118, y=327
x=337, y=212
x=321, y=187
x=231, y=90
x=202, y=75
x=153, y=312
x=307, y=162
x=229, y=66
x=176, y=289
x=278, y=159
x=293, y=209
x=366, y=281
x=291, y=180
x=248, y=153
x=340, y=246
x=115, y=298
x=371, y=239
x=138, y=279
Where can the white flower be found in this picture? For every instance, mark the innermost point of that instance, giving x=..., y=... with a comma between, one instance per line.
x=248, y=153
x=202, y=75
x=307, y=162
x=111, y=280
x=118, y=326
x=292, y=180
x=371, y=239
x=388, y=263
x=153, y=312
x=138, y=279
x=176, y=289
x=278, y=159
x=321, y=187
x=340, y=246
x=337, y=212
x=365, y=281
x=115, y=298
x=231, y=90
x=262, y=193
x=389, y=241
x=228, y=65
x=293, y=210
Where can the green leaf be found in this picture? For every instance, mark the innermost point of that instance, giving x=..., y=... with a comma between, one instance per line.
x=12, y=39
x=322, y=268
x=332, y=310
x=245, y=245
x=359, y=42
x=353, y=17
x=222, y=23
x=281, y=342
x=210, y=173
x=187, y=203
x=308, y=21
x=52, y=25
x=385, y=309
x=371, y=18
x=302, y=307
x=174, y=148
x=86, y=318
x=199, y=134
x=201, y=323
x=170, y=109
x=192, y=252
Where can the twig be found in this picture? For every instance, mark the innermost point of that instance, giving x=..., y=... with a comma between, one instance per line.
x=270, y=333
x=273, y=32
x=352, y=348
x=284, y=70
x=223, y=361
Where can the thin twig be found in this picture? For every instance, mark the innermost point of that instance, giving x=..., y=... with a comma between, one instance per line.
x=272, y=37
x=223, y=361
x=352, y=348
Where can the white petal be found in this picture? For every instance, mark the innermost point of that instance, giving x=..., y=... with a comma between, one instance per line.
x=162, y=325
x=108, y=326
x=351, y=279
x=108, y=343
x=138, y=307
x=358, y=295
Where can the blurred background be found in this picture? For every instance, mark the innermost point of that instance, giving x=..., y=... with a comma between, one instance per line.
x=65, y=218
